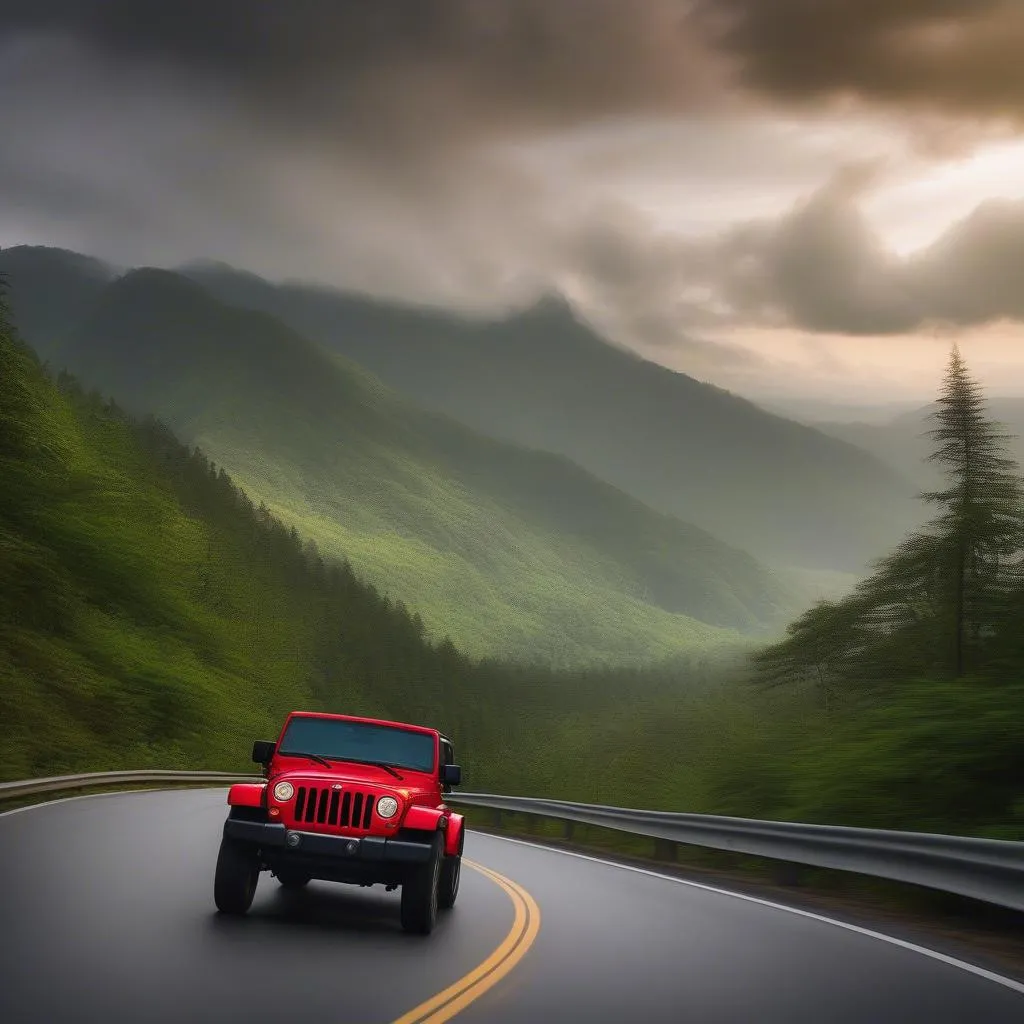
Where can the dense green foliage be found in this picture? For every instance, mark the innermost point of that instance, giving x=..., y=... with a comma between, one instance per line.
x=150, y=614
x=509, y=551
x=866, y=714
x=919, y=670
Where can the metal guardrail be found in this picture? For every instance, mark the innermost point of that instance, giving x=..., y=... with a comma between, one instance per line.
x=991, y=870
x=30, y=787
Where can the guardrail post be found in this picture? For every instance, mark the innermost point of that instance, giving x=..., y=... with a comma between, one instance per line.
x=568, y=830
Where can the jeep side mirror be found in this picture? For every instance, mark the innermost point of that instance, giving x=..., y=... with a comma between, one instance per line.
x=263, y=751
x=451, y=774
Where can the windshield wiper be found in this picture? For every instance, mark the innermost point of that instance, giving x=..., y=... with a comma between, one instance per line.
x=350, y=760
x=376, y=764
x=312, y=757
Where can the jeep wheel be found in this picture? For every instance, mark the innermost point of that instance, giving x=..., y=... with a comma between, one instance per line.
x=451, y=869
x=419, y=893
x=292, y=879
x=238, y=871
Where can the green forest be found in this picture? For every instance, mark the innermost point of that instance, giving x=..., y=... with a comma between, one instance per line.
x=151, y=614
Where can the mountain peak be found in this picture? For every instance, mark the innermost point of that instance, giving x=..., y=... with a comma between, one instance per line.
x=551, y=307
x=158, y=279
x=199, y=268
x=148, y=291
x=32, y=260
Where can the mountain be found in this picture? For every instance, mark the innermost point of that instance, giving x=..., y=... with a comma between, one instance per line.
x=784, y=491
x=903, y=441
x=51, y=289
x=509, y=550
x=151, y=616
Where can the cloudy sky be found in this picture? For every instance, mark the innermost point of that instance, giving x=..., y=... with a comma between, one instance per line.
x=785, y=197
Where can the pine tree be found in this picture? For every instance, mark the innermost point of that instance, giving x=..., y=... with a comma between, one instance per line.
x=980, y=517
x=932, y=606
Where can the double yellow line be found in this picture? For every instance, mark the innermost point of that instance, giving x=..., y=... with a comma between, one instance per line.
x=469, y=988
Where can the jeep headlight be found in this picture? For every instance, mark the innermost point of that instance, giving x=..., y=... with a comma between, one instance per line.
x=284, y=791
x=387, y=806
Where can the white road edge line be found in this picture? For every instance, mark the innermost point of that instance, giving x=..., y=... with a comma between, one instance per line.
x=999, y=979
x=95, y=796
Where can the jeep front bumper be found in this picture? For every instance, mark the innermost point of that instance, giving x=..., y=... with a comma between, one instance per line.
x=274, y=838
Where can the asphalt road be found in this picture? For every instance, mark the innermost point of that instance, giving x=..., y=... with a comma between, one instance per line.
x=107, y=915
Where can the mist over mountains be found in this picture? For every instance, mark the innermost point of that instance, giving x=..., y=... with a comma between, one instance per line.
x=298, y=392
x=511, y=550
x=781, y=490
x=903, y=442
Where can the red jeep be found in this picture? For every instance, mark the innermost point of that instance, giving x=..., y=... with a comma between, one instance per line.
x=347, y=800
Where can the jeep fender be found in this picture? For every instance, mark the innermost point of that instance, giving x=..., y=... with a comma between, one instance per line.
x=247, y=794
x=430, y=819
x=456, y=836
x=421, y=817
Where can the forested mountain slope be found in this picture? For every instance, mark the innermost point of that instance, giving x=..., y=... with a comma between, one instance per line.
x=150, y=614
x=781, y=490
x=506, y=549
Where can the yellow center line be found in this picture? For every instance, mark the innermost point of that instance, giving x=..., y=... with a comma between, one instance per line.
x=470, y=987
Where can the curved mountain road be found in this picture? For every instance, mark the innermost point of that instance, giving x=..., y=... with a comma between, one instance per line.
x=107, y=914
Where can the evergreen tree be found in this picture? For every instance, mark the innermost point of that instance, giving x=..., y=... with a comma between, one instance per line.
x=933, y=605
x=980, y=514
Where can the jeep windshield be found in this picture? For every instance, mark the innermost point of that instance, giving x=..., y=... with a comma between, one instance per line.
x=361, y=742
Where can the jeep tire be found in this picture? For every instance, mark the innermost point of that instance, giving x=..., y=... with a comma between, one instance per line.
x=420, y=892
x=238, y=871
x=451, y=870
x=292, y=879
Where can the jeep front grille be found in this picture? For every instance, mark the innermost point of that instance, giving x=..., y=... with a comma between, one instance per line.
x=346, y=808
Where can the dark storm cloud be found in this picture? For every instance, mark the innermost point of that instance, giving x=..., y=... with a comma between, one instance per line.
x=550, y=60
x=341, y=138
x=957, y=56
x=387, y=68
